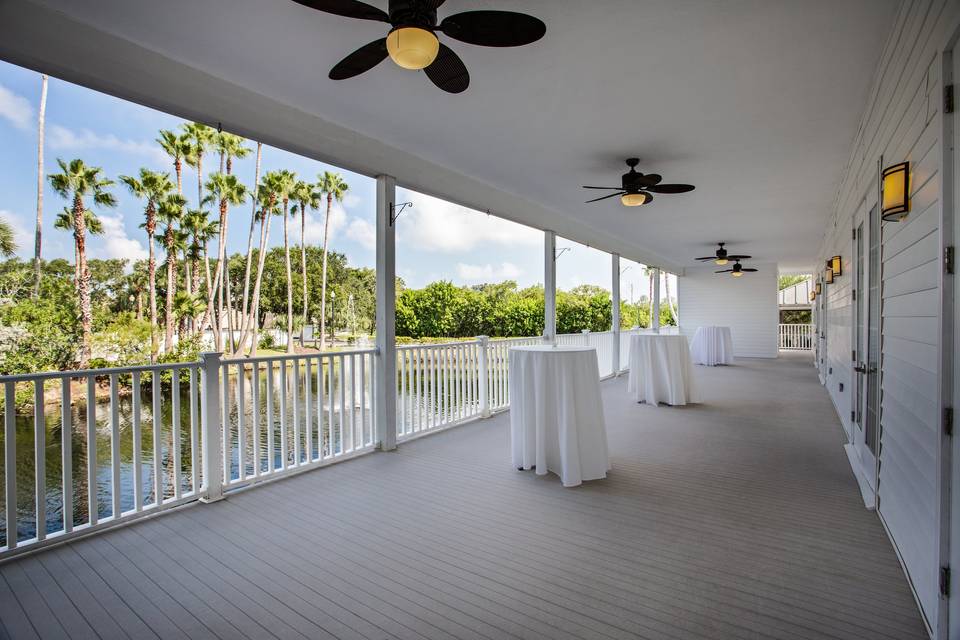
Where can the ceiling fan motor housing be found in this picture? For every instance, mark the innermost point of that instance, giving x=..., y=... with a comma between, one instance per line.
x=412, y=13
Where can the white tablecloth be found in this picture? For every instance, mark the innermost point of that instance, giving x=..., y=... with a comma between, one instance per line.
x=661, y=370
x=556, y=415
x=712, y=346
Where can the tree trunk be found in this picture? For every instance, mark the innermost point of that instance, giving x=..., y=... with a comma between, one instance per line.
x=253, y=221
x=171, y=286
x=286, y=255
x=139, y=305
x=178, y=168
x=323, y=279
x=152, y=281
x=666, y=287
x=41, y=118
x=303, y=266
x=83, y=286
x=255, y=315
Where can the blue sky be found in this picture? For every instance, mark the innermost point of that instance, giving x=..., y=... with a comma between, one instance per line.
x=436, y=239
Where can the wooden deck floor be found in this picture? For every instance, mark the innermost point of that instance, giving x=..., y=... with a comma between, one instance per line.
x=738, y=518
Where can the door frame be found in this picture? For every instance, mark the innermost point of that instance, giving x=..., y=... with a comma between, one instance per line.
x=860, y=248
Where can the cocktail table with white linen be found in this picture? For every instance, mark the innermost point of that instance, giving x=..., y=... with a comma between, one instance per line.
x=712, y=346
x=661, y=370
x=556, y=413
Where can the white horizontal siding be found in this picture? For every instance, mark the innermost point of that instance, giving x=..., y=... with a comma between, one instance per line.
x=902, y=121
x=748, y=305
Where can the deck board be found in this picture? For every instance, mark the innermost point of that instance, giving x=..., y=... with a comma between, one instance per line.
x=737, y=518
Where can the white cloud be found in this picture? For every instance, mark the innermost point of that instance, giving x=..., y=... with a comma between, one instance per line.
x=16, y=109
x=115, y=243
x=351, y=200
x=61, y=138
x=315, y=222
x=436, y=225
x=363, y=233
x=487, y=272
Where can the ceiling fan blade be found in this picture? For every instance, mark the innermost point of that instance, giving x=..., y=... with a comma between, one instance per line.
x=619, y=193
x=363, y=59
x=607, y=188
x=707, y=258
x=348, y=9
x=493, y=28
x=738, y=257
x=432, y=4
x=725, y=271
x=671, y=188
x=745, y=269
x=448, y=71
x=651, y=179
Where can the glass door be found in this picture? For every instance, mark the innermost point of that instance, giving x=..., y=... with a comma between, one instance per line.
x=866, y=334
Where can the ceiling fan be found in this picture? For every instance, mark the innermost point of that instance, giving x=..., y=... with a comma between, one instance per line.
x=412, y=41
x=738, y=269
x=721, y=257
x=636, y=188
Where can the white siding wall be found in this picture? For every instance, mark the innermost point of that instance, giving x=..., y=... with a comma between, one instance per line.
x=902, y=121
x=748, y=305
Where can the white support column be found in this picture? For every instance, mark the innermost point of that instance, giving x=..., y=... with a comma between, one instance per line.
x=483, y=344
x=615, y=315
x=385, y=400
x=549, y=286
x=655, y=311
x=211, y=452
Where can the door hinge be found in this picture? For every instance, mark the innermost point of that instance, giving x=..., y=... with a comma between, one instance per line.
x=853, y=355
x=853, y=416
x=948, y=420
x=948, y=99
x=854, y=292
x=948, y=259
x=854, y=234
x=945, y=581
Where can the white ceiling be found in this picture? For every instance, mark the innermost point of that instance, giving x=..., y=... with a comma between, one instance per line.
x=756, y=102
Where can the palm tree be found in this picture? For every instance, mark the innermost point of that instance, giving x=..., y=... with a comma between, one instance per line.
x=41, y=126
x=307, y=197
x=285, y=182
x=253, y=222
x=202, y=229
x=267, y=191
x=170, y=212
x=199, y=138
x=229, y=146
x=186, y=307
x=64, y=222
x=335, y=187
x=666, y=287
x=178, y=148
x=8, y=243
x=153, y=187
x=76, y=182
x=226, y=191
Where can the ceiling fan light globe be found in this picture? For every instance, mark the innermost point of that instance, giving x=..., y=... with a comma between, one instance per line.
x=412, y=47
x=737, y=274
x=633, y=199
x=722, y=261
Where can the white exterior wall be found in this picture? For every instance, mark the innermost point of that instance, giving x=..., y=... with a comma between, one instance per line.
x=903, y=120
x=748, y=305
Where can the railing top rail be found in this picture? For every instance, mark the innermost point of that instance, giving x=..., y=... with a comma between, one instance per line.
x=435, y=345
x=298, y=356
x=84, y=373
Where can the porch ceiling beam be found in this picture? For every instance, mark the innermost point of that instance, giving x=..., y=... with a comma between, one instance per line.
x=51, y=42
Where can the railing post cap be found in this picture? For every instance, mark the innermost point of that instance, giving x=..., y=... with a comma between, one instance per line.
x=208, y=355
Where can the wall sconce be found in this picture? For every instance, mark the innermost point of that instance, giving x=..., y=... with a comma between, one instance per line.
x=895, y=192
x=835, y=264
x=818, y=289
x=828, y=275
x=813, y=296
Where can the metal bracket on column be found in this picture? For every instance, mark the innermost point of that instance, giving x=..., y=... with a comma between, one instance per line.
x=395, y=212
x=560, y=252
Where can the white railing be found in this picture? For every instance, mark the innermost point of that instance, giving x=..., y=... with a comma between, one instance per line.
x=796, y=337
x=146, y=425
x=293, y=412
x=105, y=446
